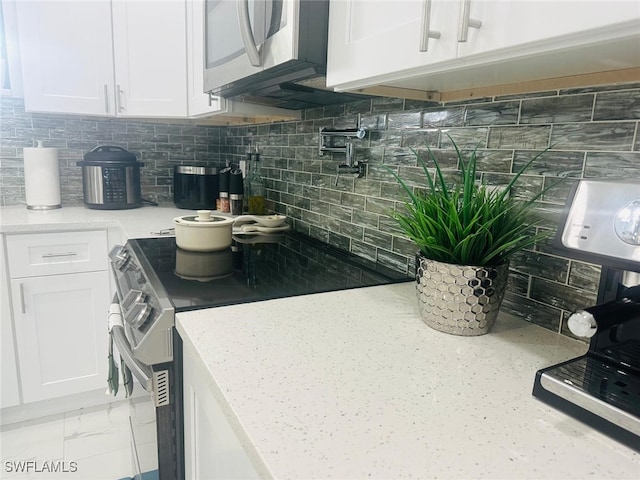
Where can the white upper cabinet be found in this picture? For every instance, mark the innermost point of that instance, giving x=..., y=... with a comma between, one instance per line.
x=543, y=25
x=67, y=56
x=76, y=60
x=372, y=39
x=410, y=43
x=150, y=58
x=200, y=103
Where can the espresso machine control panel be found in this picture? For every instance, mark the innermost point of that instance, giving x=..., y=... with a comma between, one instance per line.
x=601, y=225
x=603, y=219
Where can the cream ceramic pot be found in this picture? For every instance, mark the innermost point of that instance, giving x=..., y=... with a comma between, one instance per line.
x=203, y=232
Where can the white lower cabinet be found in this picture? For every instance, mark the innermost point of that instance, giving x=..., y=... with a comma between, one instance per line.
x=212, y=448
x=61, y=333
x=9, y=388
x=59, y=299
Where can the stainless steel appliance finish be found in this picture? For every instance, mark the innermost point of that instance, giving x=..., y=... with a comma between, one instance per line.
x=601, y=224
x=111, y=179
x=272, y=52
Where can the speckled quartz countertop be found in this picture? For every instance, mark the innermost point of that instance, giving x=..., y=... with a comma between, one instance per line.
x=134, y=223
x=353, y=385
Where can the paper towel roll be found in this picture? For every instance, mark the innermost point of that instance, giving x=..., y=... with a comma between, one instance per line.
x=41, y=178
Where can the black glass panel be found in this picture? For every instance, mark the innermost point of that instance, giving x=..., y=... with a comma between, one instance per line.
x=282, y=266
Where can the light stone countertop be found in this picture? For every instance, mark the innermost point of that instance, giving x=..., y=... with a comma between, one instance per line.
x=134, y=223
x=353, y=385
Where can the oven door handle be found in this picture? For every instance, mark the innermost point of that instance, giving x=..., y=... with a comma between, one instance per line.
x=116, y=329
x=140, y=371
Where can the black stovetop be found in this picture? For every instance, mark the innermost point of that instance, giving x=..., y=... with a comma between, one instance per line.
x=279, y=266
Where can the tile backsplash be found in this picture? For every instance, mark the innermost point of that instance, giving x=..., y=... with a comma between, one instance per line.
x=591, y=132
x=158, y=144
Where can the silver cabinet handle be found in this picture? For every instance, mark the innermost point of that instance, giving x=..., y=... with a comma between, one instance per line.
x=119, y=103
x=106, y=98
x=55, y=255
x=465, y=22
x=425, y=22
x=247, y=34
x=23, y=306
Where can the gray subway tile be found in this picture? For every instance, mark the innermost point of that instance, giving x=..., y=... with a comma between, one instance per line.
x=584, y=275
x=550, y=163
x=448, y=116
x=593, y=136
x=405, y=120
x=392, y=260
x=492, y=113
x=519, y=137
x=363, y=250
x=352, y=231
x=561, y=296
x=612, y=164
x=568, y=108
x=541, y=265
x=537, y=313
x=470, y=137
x=377, y=238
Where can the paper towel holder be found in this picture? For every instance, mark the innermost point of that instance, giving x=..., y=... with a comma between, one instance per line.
x=41, y=178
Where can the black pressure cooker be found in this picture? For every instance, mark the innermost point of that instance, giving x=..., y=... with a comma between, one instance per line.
x=111, y=178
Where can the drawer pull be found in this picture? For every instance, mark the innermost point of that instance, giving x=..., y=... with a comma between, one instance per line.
x=56, y=255
x=22, y=304
x=425, y=23
x=466, y=23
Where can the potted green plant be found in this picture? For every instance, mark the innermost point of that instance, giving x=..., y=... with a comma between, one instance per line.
x=466, y=234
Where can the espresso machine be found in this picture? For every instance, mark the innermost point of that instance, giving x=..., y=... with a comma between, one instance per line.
x=600, y=224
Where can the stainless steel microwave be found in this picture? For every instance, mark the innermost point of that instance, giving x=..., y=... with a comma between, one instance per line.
x=269, y=51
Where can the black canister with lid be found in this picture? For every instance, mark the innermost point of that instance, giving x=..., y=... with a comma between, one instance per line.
x=195, y=187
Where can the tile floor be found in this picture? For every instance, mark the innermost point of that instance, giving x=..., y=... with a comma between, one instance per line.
x=97, y=439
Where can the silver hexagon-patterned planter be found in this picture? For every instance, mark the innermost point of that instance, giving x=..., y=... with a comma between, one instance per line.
x=459, y=299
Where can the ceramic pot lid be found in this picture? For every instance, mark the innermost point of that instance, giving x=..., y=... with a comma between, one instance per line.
x=204, y=218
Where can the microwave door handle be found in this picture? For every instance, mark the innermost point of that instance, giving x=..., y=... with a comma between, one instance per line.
x=247, y=34
x=140, y=371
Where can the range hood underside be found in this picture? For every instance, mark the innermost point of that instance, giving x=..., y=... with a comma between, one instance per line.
x=295, y=85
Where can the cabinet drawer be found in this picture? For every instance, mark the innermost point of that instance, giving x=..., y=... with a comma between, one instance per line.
x=38, y=254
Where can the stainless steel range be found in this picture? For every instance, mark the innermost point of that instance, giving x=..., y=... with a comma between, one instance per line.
x=155, y=279
x=601, y=224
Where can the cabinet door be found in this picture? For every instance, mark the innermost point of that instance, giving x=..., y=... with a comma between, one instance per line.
x=529, y=27
x=9, y=390
x=150, y=58
x=199, y=103
x=382, y=39
x=61, y=333
x=66, y=56
x=212, y=448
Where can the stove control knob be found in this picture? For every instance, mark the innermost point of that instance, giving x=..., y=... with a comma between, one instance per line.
x=133, y=297
x=141, y=313
x=120, y=257
x=627, y=223
x=582, y=324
